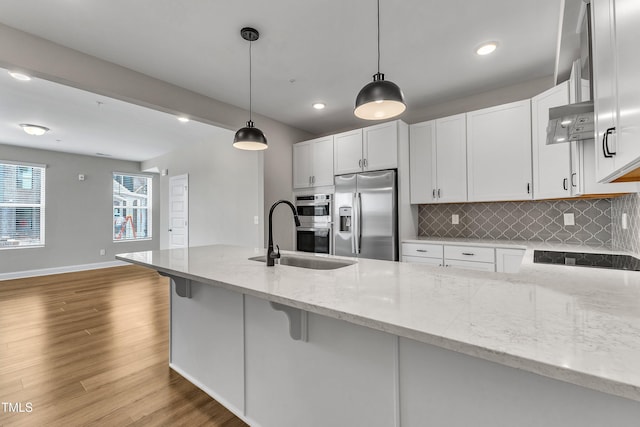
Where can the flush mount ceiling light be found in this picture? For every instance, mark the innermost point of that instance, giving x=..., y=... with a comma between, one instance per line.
x=19, y=76
x=250, y=137
x=380, y=99
x=34, y=129
x=319, y=105
x=487, y=48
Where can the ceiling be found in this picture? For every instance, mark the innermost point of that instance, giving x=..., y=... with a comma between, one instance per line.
x=323, y=50
x=81, y=122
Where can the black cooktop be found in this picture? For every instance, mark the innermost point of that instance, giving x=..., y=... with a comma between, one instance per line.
x=618, y=262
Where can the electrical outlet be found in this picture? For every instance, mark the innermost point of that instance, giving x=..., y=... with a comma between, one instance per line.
x=625, y=221
x=103, y=252
x=455, y=219
x=569, y=219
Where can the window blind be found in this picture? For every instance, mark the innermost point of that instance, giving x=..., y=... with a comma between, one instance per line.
x=22, y=205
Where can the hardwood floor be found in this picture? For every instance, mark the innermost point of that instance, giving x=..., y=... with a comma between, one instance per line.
x=91, y=348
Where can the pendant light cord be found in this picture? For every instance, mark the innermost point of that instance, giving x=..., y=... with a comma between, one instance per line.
x=378, y=36
x=250, y=118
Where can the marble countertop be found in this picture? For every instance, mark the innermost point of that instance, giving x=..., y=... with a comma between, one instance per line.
x=575, y=324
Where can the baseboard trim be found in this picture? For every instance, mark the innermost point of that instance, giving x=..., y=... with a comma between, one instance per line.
x=59, y=270
x=238, y=412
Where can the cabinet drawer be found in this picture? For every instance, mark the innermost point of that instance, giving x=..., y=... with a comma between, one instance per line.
x=470, y=253
x=470, y=265
x=425, y=250
x=422, y=260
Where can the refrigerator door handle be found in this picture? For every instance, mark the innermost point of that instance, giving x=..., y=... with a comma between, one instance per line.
x=354, y=224
x=359, y=236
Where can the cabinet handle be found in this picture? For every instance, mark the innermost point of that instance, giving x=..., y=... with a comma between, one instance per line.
x=573, y=182
x=605, y=143
x=360, y=163
x=565, y=183
x=468, y=253
x=366, y=164
x=528, y=188
x=313, y=179
x=434, y=193
x=438, y=193
x=421, y=250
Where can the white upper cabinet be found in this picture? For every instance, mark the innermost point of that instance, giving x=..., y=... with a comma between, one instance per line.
x=380, y=148
x=451, y=159
x=422, y=162
x=551, y=163
x=499, y=152
x=313, y=163
x=615, y=35
x=438, y=160
x=347, y=152
x=368, y=149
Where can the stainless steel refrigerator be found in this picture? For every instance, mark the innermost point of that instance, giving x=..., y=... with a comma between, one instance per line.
x=366, y=215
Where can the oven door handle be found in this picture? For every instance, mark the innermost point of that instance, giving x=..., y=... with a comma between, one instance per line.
x=327, y=229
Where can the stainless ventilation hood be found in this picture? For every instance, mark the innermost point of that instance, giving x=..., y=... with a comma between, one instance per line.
x=573, y=122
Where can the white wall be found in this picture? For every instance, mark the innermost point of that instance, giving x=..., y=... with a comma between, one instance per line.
x=78, y=214
x=225, y=193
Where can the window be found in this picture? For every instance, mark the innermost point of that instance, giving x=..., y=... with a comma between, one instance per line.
x=21, y=205
x=131, y=207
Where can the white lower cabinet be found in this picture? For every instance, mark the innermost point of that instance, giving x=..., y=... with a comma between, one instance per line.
x=508, y=260
x=481, y=258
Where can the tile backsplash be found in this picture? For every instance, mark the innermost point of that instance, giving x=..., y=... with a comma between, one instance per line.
x=626, y=239
x=539, y=221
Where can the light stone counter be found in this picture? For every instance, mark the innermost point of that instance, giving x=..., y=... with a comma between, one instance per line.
x=575, y=324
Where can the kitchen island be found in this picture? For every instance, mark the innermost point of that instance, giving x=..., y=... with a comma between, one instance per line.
x=381, y=343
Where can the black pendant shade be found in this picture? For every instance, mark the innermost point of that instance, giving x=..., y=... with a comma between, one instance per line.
x=250, y=138
x=380, y=99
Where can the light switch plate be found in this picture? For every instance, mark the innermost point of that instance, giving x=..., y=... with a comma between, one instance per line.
x=455, y=219
x=256, y=220
x=625, y=221
x=569, y=219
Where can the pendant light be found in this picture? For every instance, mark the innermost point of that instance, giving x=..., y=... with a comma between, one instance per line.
x=250, y=137
x=380, y=99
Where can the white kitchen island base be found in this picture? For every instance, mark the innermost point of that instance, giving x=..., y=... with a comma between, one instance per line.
x=238, y=349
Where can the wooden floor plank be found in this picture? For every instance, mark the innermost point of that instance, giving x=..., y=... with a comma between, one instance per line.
x=91, y=348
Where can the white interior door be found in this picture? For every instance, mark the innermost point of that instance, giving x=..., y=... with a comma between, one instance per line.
x=179, y=211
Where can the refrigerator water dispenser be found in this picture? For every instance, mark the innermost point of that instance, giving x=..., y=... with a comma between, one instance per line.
x=345, y=219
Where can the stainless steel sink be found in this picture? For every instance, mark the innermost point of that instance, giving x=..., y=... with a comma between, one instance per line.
x=308, y=262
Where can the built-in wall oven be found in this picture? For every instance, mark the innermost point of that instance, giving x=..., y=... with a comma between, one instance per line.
x=315, y=232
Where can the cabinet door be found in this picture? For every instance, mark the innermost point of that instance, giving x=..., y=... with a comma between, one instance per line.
x=451, y=159
x=508, y=260
x=551, y=163
x=604, y=80
x=347, y=152
x=422, y=162
x=381, y=146
x=499, y=153
x=302, y=164
x=322, y=161
x=470, y=265
x=627, y=35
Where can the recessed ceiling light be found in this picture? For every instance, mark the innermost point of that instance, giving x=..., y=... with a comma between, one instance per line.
x=319, y=105
x=19, y=76
x=34, y=129
x=487, y=48
x=183, y=119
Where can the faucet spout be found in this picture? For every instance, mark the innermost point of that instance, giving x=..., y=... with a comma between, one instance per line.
x=271, y=254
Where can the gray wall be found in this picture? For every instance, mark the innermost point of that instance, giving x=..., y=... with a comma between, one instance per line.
x=50, y=61
x=78, y=214
x=225, y=193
